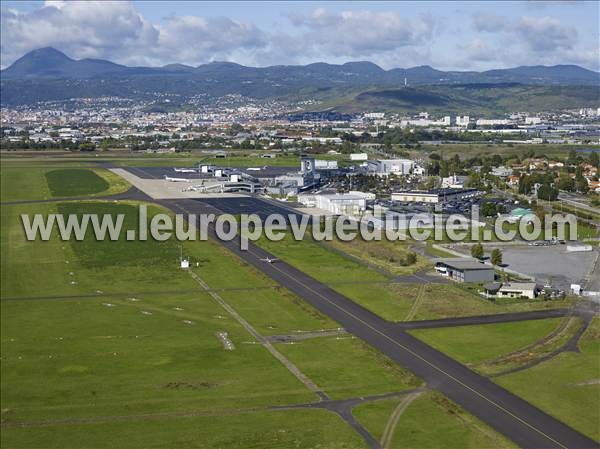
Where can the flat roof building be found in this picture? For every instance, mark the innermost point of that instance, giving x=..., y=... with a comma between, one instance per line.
x=385, y=167
x=465, y=269
x=338, y=204
x=434, y=196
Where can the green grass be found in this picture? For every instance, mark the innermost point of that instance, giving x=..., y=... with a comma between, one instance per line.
x=260, y=430
x=384, y=254
x=478, y=343
x=141, y=267
x=80, y=359
x=392, y=301
x=75, y=182
x=22, y=182
x=431, y=421
x=345, y=367
x=566, y=386
x=478, y=149
x=374, y=415
x=75, y=268
x=458, y=300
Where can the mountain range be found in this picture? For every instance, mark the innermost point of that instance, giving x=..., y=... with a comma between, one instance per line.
x=48, y=74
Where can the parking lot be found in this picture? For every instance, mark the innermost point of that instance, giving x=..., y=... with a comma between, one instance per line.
x=549, y=263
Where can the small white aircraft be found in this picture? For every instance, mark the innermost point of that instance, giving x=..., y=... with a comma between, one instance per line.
x=268, y=260
x=184, y=170
x=170, y=179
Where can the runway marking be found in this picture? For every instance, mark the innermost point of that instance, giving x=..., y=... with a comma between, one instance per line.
x=508, y=412
x=498, y=406
x=287, y=363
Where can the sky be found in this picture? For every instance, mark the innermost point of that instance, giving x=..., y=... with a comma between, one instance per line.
x=446, y=35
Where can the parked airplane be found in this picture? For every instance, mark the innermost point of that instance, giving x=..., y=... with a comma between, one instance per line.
x=184, y=170
x=268, y=260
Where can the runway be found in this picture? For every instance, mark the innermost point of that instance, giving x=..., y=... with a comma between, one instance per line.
x=507, y=413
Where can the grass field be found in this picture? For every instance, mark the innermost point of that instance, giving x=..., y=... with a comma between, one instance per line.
x=478, y=343
x=393, y=301
x=21, y=182
x=563, y=386
x=472, y=150
x=345, y=367
x=126, y=353
x=235, y=430
x=387, y=255
x=429, y=419
x=567, y=386
x=141, y=350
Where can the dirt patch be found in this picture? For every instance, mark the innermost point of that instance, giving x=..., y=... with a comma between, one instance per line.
x=188, y=386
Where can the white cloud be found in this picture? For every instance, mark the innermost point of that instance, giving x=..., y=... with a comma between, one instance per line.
x=192, y=39
x=362, y=33
x=118, y=32
x=527, y=40
x=489, y=23
x=81, y=29
x=545, y=34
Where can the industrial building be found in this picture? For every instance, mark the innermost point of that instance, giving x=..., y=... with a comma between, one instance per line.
x=354, y=203
x=465, y=270
x=454, y=181
x=435, y=196
x=385, y=167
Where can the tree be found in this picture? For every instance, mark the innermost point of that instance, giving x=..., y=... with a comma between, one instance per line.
x=477, y=251
x=411, y=258
x=540, y=212
x=547, y=192
x=489, y=209
x=595, y=159
x=581, y=183
x=87, y=146
x=566, y=183
x=496, y=257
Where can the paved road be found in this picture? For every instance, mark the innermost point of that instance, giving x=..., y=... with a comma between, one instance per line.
x=577, y=201
x=510, y=415
x=484, y=319
x=132, y=194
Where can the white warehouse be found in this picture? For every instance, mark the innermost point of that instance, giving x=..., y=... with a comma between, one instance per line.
x=337, y=203
x=385, y=167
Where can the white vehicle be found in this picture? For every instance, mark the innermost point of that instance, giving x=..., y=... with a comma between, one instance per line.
x=184, y=170
x=269, y=260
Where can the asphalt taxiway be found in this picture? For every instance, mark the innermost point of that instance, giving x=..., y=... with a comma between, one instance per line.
x=526, y=425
